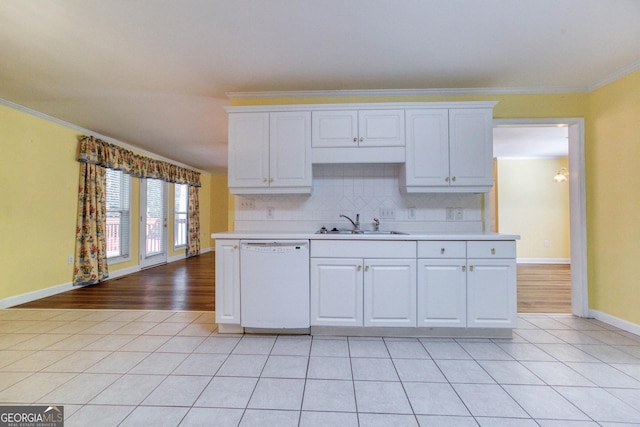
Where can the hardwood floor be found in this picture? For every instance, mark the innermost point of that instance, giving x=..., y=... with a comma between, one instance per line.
x=544, y=288
x=189, y=285
x=181, y=285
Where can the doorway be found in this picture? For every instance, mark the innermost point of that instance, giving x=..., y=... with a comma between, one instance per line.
x=153, y=222
x=577, y=206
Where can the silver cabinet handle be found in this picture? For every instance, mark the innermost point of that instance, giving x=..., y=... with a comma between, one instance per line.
x=493, y=251
x=442, y=250
x=464, y=268
x=471, y=268
x=361, y=139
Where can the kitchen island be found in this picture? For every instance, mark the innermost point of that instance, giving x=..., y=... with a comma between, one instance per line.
x=385, y=284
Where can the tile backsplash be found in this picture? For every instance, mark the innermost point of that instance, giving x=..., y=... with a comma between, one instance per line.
x=372, y=190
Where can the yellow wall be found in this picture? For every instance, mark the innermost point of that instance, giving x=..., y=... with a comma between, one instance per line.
x=532, y=205
x=39, y=193
x=38, y=202
x=613, y=198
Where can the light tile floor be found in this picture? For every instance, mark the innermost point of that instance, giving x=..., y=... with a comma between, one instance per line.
x=161, y=368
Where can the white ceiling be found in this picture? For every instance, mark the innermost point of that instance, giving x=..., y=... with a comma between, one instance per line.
x=155, y=73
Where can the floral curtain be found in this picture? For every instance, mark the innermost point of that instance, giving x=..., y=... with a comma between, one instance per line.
x=193, y=223
x=91, y=244
x=95, y=156
x=96, y=151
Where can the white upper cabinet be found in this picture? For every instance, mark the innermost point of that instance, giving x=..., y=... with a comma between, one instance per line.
x=443, y=147
x=427, y=161
x=449, y=150
x=270, y=152
x=471, y=147
x=358, y=136
x=352, y=128
x=248, y=150
x=334, y=129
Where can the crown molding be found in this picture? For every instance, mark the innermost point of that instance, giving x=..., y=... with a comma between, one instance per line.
x=88, y=132
x=406, y=92
x=615, y=76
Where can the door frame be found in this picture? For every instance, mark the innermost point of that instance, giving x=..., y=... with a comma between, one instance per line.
x=577, y=205
x=157, y=259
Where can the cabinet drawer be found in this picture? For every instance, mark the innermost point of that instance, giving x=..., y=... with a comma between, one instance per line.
x=442, y=249
x=362, y=249
x=491, y=249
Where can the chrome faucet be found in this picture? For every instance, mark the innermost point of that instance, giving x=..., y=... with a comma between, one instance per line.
x=356, y=224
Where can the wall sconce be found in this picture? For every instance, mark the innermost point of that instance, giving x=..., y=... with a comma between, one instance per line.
x=561, y=176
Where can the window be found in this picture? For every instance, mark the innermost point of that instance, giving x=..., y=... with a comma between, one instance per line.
x=118, y=215
x=180, y=215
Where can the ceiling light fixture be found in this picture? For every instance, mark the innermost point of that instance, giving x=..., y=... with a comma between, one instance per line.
x=561, y=176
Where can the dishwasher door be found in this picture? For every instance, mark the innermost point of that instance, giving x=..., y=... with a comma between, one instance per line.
x=274, y=284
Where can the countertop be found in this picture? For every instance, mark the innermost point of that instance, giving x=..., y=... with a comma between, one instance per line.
x=277, y=235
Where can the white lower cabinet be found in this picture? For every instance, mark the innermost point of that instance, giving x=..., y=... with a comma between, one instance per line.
x=491, y=293
x=227, y=281
x=389, y=292
x=467, y=284
x=442, y=293
x=336, y=292
x=356, y=283
x=363, y=292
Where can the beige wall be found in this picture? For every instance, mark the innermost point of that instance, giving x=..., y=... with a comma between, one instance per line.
x=532, y=205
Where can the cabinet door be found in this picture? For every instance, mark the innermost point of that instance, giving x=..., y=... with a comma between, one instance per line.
x=381, y=128
x=336, y=291
x=491, y=293
x=227, y=281
x=390, y=292
x=334, y=129
x=471, y=147
x=427, y=159
x=442, y=292
x=249, y=150
x=290, y=149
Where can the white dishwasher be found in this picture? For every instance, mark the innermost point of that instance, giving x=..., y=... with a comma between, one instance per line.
x=274, y=284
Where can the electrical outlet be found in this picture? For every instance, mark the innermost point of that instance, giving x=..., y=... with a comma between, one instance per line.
x=546, y=243
x=450, y=214
x=412, y=213
x=246, y=203
x=70, y=260
x=459, y=214
x=271, y=212
x=387, y=213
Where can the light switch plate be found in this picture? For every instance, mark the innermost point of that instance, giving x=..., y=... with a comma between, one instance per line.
x=387, y=213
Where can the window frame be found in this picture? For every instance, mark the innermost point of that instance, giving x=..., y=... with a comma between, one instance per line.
x=124, y=213
x=176, y=215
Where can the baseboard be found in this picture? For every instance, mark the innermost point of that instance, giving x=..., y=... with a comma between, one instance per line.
x=543, y=260
x=615, y=321
x=176, y=258
x=35, y=295
x=58, y=289
x=123, y=272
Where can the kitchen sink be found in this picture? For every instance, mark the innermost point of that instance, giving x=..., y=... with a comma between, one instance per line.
x=363, y=232
x=378, y=232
